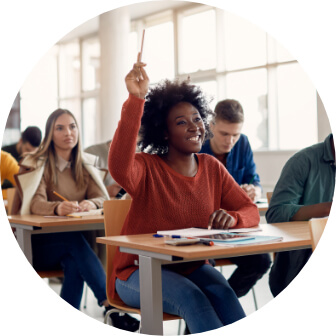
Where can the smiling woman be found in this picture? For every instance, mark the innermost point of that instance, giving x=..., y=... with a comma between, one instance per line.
x=172, y=186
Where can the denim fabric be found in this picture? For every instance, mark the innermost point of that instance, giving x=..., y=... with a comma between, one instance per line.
x=203, y=299
x=71, y=252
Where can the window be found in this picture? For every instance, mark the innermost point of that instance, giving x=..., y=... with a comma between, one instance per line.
x=243, y=62
x=226, y=55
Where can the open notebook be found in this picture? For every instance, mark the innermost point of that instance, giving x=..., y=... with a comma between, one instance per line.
x=87, y=213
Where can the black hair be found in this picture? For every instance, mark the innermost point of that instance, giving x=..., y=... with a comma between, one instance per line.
x=159, y=101
x=33, y=135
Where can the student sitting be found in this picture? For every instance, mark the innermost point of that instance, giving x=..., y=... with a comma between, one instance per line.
x=59, y=165
x=305, y=190
x=173, y=187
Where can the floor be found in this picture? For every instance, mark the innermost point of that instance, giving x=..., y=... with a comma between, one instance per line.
x=262, y=292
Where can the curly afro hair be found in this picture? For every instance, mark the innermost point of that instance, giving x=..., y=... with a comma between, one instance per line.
x=159, y=101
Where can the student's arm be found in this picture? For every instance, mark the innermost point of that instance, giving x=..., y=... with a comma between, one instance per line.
x=307, y=212
x=251, y=180
x=236, y=203
x=124, y=166
x=41, y=206
x=288, y=192
x=94, y=196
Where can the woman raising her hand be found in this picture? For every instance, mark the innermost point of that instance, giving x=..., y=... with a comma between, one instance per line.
x=173, y=187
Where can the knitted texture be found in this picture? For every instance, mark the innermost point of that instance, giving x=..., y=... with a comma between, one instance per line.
x=164, y=199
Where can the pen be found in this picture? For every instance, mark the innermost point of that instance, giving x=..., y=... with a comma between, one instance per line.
x=156, y=235
x=207, y=242
x=252, y=179
x=60, y=196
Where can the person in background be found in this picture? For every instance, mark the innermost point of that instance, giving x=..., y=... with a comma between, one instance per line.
x=60, y=166
x=9, y=167
x=233, y=150
x=101, y=150
x=304, y=190
x=173, y=187
x=29, y=141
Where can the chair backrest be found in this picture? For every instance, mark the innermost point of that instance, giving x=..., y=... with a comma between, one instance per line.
x=10, y=199
x=115, y=212
x=269, y=196
x=317, y=226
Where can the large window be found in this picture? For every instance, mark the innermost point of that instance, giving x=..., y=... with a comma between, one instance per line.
x=226, y=55
x=79, y=83
x=231, y=58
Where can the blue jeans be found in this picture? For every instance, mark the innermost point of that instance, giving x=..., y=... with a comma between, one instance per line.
x=71, y=252
x=204, y=299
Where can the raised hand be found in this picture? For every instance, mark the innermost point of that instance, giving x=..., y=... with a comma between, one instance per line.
x=137, y=81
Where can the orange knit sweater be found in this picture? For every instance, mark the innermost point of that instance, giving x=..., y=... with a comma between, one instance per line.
x=164, y=199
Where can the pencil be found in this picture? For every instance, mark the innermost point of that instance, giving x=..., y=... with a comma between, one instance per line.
x=142, y=44
x=60, y=196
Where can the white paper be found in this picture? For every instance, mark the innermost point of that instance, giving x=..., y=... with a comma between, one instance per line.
x=191, y=232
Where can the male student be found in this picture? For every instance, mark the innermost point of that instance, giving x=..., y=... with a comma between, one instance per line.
x=29, y=141
x=304, y=190
x=233, y=149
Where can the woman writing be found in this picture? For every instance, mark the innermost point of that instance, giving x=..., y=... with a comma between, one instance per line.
x=172, y=187
x=59, y=167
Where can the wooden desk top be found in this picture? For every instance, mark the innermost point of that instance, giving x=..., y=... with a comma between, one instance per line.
x=295, y=235
x=41, y=221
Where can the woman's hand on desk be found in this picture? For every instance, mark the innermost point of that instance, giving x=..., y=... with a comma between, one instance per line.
x=66, y=208
x=137, y=81
x=220, y=219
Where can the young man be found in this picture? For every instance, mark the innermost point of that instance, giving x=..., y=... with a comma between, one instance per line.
x=29, y=141
x=233, y=149
x=304, y=190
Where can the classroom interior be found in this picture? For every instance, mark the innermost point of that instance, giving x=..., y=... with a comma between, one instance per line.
x=232, y=58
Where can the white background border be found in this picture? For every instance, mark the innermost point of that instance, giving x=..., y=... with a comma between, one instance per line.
x=29, y=28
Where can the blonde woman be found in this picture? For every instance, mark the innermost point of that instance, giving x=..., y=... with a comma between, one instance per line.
x=59, y=165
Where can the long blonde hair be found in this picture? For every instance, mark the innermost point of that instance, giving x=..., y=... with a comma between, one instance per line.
x=47, y=151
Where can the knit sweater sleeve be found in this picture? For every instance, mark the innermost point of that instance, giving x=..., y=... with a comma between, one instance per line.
x=236, y=202
x=125, y=166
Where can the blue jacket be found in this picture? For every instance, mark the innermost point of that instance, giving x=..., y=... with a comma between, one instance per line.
x=239, y=162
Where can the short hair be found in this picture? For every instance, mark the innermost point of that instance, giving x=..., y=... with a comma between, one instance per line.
x=33, y=135
x=229, y=110
x=159, y=101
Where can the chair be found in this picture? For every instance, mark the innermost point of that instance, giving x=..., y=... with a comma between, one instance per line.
x=269, y=196
x=316, y=227
x=115, y=212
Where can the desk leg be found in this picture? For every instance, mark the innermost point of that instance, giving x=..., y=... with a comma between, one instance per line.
x=150, y=296
x=24, y=240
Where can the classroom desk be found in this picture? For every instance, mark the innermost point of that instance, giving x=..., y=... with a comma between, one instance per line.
x=153, y=253
x=27, y=225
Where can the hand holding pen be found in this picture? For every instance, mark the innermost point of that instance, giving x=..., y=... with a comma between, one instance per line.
x=66, y=207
